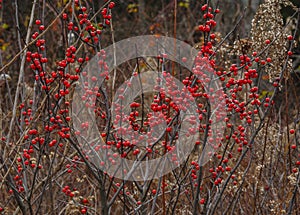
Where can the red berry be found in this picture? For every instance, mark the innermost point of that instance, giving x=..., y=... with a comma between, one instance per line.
x=136, y=151
x=292, y=131
x=111, y=5
x=65, y=16
x=104, y=11
x=202, y=201
x=42, y=28
x=201, y=28
x=290, y=37
x=38, y=22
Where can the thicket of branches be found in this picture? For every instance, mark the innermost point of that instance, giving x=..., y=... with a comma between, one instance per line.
x=253, y=51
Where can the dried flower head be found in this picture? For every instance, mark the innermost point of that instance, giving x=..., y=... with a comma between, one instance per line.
x=267, y=25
